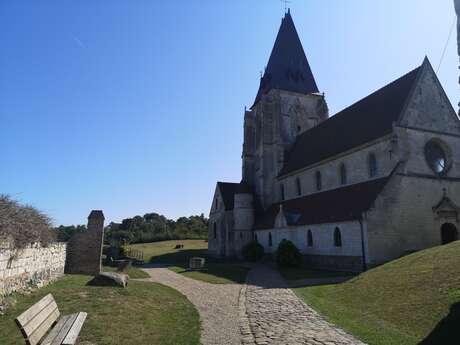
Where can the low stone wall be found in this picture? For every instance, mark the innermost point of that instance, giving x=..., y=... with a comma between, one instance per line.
x=32, y=266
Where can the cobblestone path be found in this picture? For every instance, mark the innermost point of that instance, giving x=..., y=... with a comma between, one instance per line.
x=276, y=316
x=217, y=304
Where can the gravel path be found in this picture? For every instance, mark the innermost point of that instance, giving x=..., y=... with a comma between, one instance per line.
x=276, y=316
x=218, y=305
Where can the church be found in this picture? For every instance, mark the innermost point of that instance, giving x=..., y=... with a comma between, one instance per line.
x=376, y=181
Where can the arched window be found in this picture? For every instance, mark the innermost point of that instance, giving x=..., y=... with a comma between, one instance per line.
x=337, y=237
x=282, y=191
x=299, y=186
x=270, y=240
x=241, y=235
x=372, y=161
x=215, y=230
x=319, y=182
x=309, y=238
x=343, y=174
x=256, y=238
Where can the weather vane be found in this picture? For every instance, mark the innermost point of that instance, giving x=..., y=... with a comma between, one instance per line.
x=286, y=2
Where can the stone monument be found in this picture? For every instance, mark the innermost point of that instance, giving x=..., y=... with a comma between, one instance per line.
x=84, y=250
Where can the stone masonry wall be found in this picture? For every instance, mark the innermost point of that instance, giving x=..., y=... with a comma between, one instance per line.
x=356, y=163
x=457, y=9
x=32, y=266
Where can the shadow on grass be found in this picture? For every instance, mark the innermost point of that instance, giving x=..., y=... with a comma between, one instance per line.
x=447, y=332
x=229, y=269
x=182, y=257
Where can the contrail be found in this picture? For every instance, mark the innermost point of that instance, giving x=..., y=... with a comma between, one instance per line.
x=80, y=43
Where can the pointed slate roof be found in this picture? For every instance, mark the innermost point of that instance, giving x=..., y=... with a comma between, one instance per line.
x=228, y=191
x=288, y=67
x=367, y=120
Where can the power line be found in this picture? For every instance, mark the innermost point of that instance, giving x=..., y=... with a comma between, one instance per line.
x=447, y=44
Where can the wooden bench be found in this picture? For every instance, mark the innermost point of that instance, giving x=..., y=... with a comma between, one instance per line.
x=43, y=317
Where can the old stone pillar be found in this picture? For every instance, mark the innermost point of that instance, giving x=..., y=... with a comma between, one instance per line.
x=84, y=250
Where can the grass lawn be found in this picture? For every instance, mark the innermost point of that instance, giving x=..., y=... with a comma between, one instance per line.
x=215, y=272
x=142, y=314
x=411, y=301
x=164, y=252
x=298, y=273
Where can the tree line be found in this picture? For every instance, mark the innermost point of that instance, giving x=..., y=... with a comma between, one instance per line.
x=150, y=227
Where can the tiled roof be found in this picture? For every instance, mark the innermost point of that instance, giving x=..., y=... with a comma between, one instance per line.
x=338, y=205
x=364, y=121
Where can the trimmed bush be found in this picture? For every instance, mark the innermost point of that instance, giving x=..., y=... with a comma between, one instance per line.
x=288, y=255
x=23, y=224
x=253, y=251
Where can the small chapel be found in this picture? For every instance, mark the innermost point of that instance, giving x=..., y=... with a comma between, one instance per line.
x=376, y=181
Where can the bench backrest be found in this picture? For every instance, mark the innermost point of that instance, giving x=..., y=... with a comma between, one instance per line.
x=38, y=319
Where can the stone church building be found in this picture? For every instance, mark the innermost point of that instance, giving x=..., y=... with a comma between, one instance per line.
x=374, y=182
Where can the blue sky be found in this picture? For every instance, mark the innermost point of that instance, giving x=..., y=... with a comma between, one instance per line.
x=136, y=107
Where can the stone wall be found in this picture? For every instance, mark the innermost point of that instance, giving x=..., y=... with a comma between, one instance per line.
x=357, y=167
x=84, y=252
x=32, y=266
x=457, y=9
x=323, y=239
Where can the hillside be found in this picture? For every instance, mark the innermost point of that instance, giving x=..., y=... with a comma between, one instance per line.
x=413, y=300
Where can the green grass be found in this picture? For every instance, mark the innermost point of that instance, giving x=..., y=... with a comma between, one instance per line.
x=142, y=314
x=132, y=272
x=410, y=301
x=215, y=271
x=164, y=252
x=298, y=273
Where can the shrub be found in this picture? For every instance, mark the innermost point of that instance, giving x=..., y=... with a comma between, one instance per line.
x=288, y=254
x=253, y=251
x=23, y=224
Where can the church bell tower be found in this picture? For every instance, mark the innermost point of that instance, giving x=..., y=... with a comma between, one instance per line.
x=287, y=104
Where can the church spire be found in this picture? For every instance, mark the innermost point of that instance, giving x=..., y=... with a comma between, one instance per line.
x=288, y=67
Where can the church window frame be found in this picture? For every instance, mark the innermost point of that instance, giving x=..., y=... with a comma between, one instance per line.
x=372, y=165
x=282, y=192
x=319, y=181
x=298, y=186
x=343, y=174
x=437, y=156
x=337, y=237
x=270, y=239
x=215, y=230
x=309, y=238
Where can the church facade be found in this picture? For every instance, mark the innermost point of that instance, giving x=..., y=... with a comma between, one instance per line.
x=374, y=182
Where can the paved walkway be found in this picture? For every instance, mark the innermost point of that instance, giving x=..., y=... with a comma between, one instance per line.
x=216, y=303
x=262, y=312
x=276, y=316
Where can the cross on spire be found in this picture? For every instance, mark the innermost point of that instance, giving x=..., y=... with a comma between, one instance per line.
x=286, y=2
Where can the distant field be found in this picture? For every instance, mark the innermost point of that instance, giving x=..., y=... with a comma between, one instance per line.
x=164, y=252
x=411, y=301
x=215, y=271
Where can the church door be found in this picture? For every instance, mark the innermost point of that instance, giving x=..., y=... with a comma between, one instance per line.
x=449, y=233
